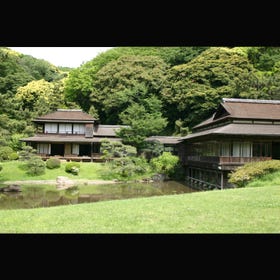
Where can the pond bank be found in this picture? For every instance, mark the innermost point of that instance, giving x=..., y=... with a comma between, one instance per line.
x=53, y=182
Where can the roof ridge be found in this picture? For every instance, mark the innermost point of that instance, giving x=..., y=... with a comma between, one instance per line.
x=238, y=100
x=69, y=110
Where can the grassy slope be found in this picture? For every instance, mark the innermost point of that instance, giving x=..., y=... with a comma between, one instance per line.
x=245, y=210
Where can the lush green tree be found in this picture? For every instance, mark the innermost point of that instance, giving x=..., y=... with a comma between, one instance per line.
x=79, y=85
x=264, y=58
x=151, y=149
x=40, y=69
x=113, y=149
x=165, y=163
x=41, y=97
x=142, y=122
x=196, y=88
x=12, y=74
x=124, y=81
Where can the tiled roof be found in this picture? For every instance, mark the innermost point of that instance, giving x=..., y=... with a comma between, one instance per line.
x=65, y=138
x=235, y=108
x=253, y=109
x=232, y=129
x=65, y=115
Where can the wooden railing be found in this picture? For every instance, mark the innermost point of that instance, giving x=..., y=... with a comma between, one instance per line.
x=226, y=159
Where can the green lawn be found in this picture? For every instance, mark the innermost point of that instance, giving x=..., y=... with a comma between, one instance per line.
x=242, y=210
x=12, y=171
x=270, y=179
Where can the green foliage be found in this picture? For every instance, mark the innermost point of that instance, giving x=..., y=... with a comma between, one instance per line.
x=196, y=88
x=15, y=143
x=93, y=112
x=12, y=74
x=264, y=58
x=165, y=164
x=40, y=69
x=143, y=122
x=14, y=156
x=127, y=80
x=151, y=149
x=127, y=167
x=52, y=163
x=1, y=167
x=5, y=153
x=26, y=153
x=40, y=95
x=72, y=167
x=35, y=166
x=253, y=170
x=113, y=149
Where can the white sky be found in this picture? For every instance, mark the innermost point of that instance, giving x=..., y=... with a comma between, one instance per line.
x=62, y=56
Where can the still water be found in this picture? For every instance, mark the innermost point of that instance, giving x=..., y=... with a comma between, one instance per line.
x=42, y=196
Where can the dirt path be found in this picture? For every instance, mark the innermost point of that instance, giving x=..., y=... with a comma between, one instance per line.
x=53, y=182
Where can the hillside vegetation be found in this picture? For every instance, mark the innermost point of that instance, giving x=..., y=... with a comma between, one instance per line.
x=167, y=90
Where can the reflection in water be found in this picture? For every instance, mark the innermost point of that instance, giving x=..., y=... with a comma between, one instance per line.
x=39, y=196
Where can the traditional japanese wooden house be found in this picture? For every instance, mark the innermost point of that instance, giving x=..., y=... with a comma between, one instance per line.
x=240, y=131
x=70, y=134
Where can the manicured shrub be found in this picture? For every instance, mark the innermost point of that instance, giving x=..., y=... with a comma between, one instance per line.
x=253, y=170
x=53, y=163
x=13, y=156
x=35, y=166
x=5, y=153
x=165, y=164
x=72, y=167
x=26, y=153
x=75, y=170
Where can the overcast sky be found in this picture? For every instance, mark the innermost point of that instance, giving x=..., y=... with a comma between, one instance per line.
x=62, y=56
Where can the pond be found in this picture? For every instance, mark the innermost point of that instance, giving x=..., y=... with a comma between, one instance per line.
x=46, y=196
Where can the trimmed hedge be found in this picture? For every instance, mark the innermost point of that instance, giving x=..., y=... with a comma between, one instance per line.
x=72, y=167
x=53, y=163
x=14, y=156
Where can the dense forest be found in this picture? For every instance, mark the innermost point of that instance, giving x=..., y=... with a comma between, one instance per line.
x=154, y=90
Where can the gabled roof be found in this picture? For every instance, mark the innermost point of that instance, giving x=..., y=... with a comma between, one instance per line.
x=235, y=108
x=66, y=115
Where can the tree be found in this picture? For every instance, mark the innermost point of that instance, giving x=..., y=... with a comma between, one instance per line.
x=151, y=149
x=40, y=68
x=27, y=153
x=192, y=91
x=165, y=164
x=127, y=80
x=142, y=122
x=41, y=97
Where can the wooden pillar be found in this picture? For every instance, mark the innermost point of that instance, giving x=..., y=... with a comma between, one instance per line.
x=222, y=180
x=91, y=151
